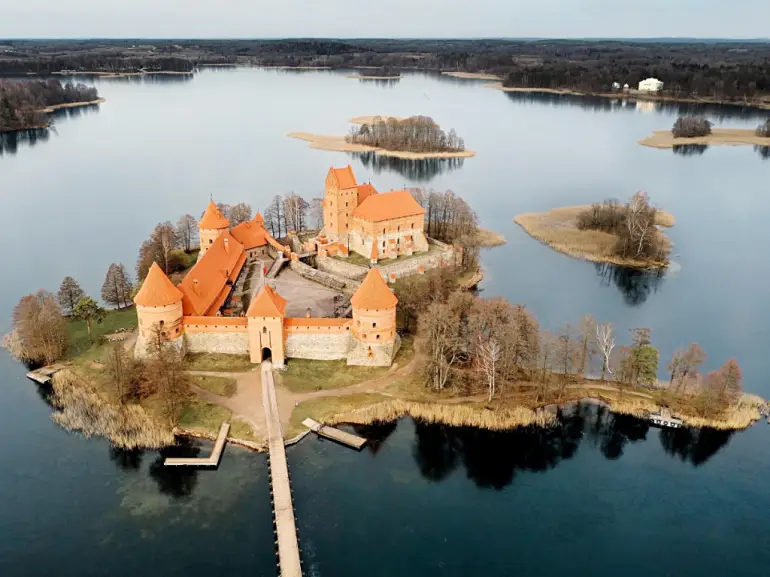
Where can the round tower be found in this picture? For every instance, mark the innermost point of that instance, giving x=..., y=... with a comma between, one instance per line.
x=374, y=322
x=211, y=226
x=158, y=307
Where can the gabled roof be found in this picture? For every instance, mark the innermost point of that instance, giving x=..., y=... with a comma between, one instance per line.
x=365, y=191
x=212, y=272
x=344, y=176
x=157, y=290
x=387, y=206
x=213, y=218
x=250, y=234
x=374, y=293
x=268, y=303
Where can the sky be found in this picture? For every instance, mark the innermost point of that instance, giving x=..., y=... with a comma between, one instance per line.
x=388, y=18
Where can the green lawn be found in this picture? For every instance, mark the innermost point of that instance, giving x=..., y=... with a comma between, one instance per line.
x=199, y=415
x=222, y=386
x=217, y=362
x=304, y=376
x=82, y=349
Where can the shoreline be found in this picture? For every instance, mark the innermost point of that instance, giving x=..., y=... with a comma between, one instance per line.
x=339, y=144
x=472, y=75
x=106, y=74
x=718, y=137
x=635, y=95
x=363, y=77
x=556, y=229
x=54, y=108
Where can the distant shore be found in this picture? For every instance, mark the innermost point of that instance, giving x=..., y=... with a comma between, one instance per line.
x=339, y=144
x=364, y=77
x=718, y=136
x=106, y=74
x=558, y=229
x=472, y=75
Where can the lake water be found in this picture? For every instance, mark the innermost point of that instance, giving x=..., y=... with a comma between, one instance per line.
x=597, y=496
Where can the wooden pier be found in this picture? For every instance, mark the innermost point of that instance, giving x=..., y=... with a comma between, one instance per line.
x=44, y=374
x=210, y=461
x=342, y=437
x=283, y=509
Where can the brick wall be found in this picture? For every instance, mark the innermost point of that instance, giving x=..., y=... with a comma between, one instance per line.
x=338, y=267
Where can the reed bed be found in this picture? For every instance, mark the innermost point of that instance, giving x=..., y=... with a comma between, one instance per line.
x=81, y=409
x=636, y=407
x=739, y=416
x=456, y=415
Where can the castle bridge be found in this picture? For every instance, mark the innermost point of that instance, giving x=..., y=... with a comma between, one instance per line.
x=283, y=509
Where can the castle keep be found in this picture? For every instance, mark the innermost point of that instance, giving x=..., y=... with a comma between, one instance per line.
x=193, y=314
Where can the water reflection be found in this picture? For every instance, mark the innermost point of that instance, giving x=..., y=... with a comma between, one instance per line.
x=146, y=78
x=695, y=446
x=417, y=170
x=762, y=151
x=10, y=141
x=176, y=482
x=690, y=149
x=375, y=434
x=126, y=460
x=492, y=459
x=634, y=284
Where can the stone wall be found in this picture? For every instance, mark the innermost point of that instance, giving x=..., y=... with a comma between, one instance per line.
x=442, y=255
x=332, y=281
x=228, y=343
x=338, y=267
x=318, y=346
x=373, y=355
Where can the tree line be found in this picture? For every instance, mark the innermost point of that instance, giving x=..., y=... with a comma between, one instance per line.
x=691, y=126
x=22, y=101
x=632, y=223
x=414, y=134
x=493, y=345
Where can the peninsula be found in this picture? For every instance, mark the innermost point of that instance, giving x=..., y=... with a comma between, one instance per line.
x=413, y=138
x=599, y=233
x=718, y=136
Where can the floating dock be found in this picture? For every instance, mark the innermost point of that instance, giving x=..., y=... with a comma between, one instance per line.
x=44, y=374
x=342, y=437
x=210, y=461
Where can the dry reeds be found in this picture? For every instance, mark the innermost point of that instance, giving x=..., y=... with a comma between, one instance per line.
x=455, y=415
x=80, y=408
x=738, y=416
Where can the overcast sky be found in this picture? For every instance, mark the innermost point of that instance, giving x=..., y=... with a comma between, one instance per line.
x=387, y=18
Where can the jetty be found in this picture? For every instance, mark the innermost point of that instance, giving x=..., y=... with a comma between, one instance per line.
x=283, y=509
x=341, y=437
x=44, y=374
x=210, y=461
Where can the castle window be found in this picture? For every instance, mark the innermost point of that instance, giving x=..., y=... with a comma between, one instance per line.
x=374, y=325
x=264, y=329
x=383, y=231
x=346, y=204
x=378, y=336
x=163, y=334
x=162, y=323
x=412, y=225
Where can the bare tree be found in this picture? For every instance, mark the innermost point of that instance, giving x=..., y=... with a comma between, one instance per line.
x=117, y=286
x=41, y=331
x=317, y=212
x=488, y=355
x=548, y=346
x=605, y=340
x=69, y=294
x=295, y=212
x=587, y=341
x=415, y=134
x=565, y=348
x=157, y=248
x=685, y=365
x=239, y=213
x=440, y=326
x=187, y=231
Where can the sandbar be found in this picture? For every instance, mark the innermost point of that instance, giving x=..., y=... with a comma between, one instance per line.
x=499, y=86
x=489, y=238
x=339, y=144
x=558, y=229
x=723, y=136
x=472, y=75
x=53, y=107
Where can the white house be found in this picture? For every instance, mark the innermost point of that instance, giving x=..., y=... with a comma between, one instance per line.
x=650, y=85
x=616, y=85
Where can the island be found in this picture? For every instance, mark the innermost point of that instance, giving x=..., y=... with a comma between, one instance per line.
x=26, y=104
x=603, y=233
x=688, y=131
x=413, y=138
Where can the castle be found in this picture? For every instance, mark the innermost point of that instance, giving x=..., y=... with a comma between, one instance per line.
x=375, y=225
x=193, y=314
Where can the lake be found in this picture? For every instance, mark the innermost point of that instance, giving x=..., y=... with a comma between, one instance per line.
x=598, y=495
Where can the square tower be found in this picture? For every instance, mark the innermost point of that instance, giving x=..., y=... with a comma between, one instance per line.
x=340, y=199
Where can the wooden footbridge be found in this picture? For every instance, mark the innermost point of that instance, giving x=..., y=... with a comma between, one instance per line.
x=283, y=509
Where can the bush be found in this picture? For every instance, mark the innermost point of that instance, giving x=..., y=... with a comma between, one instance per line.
x=607, y=217
x=177, y=261
x=691, y=126
x=763, y=130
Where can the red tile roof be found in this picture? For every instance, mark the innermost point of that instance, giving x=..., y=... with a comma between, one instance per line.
x=212, y=272
x=344, y=176
x=388, y=206
x=365, y=191
x=157, y=290
x=213, y=218
x=374, y=293
x=250, y=234
x=268, y=303
x=258, y=217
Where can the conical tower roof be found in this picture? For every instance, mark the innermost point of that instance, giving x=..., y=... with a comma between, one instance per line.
x=157, y=290
x=213, y=218
x=374, y=293
x=258, y=218
x=268, y=303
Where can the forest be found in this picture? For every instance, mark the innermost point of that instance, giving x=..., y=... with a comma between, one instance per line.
x=709, y=70
x=22, y=101
x=414, y=134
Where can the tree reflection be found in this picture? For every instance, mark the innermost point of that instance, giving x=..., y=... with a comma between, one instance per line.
x=375, y=434
x=689, y=149
x=382, y=82
x=10, y=141
x=612, y=432
x=634, y=284
x=695, y=446
x=762, y=151
x=125, y=459
x=177, y=482
x=416, y=170
x=435, y=450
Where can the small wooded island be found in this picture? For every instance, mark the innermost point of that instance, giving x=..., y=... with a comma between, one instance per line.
x=697, y=130
x=413, y=138
x=376, y=73
x=625, y=235
x=25, y=104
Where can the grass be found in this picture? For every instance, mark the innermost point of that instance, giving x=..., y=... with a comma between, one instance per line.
x=432, y=248
x=324, y=408
x=217, y=362
x=222, y=386
x=204, y=417
x=355, y=258
x=81, y=349
x=304, y=376
x=557, y=228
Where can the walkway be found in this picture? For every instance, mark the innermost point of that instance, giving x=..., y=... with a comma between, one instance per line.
x=210, y=461
x=283, y=510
